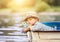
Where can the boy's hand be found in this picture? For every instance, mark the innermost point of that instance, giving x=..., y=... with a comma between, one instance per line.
x=26, y=29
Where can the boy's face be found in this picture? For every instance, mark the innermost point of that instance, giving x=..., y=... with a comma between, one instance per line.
x=32, y=21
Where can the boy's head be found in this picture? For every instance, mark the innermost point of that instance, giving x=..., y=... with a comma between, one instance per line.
x=32, y=19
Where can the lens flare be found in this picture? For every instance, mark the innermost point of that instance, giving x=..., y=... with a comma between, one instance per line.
x=18, y=1
x=20, y=4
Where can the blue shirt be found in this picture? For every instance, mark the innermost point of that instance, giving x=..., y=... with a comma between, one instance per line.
x=39, y=27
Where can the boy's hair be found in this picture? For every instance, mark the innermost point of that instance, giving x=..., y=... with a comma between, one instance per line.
x=31, y=17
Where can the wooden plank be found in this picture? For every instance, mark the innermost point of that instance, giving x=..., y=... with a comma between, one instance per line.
x=49, y=35
x=43, y=40
x=15, y=36
x=35, y=37
x=49, y=40
x=29, y=36
x=45, y=37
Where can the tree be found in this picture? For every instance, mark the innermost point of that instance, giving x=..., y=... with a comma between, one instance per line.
x=42, y=6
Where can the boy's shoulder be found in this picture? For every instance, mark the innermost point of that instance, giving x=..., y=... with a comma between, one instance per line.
x=38, y=23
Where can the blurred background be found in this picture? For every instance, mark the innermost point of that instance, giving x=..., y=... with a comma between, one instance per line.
x=18, y=10
x=31, y=5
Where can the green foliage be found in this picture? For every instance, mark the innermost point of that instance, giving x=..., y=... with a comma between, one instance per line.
x=42, y=6
x=56, y=8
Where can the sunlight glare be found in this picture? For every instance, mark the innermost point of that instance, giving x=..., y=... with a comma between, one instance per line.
x=19, y=1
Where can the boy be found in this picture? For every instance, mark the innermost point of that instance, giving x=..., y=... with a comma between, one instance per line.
x=33, y=24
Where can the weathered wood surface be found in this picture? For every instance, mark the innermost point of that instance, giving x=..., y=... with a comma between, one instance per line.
x=45, y=36
x=29, y=37
x=13, y=35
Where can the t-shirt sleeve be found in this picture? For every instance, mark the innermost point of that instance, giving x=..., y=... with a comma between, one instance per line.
x=47, y=28
x=41, y=27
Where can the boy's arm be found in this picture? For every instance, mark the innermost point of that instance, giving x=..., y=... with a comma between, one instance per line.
x=46, y=28
x=41, y=27
x=27, y=29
